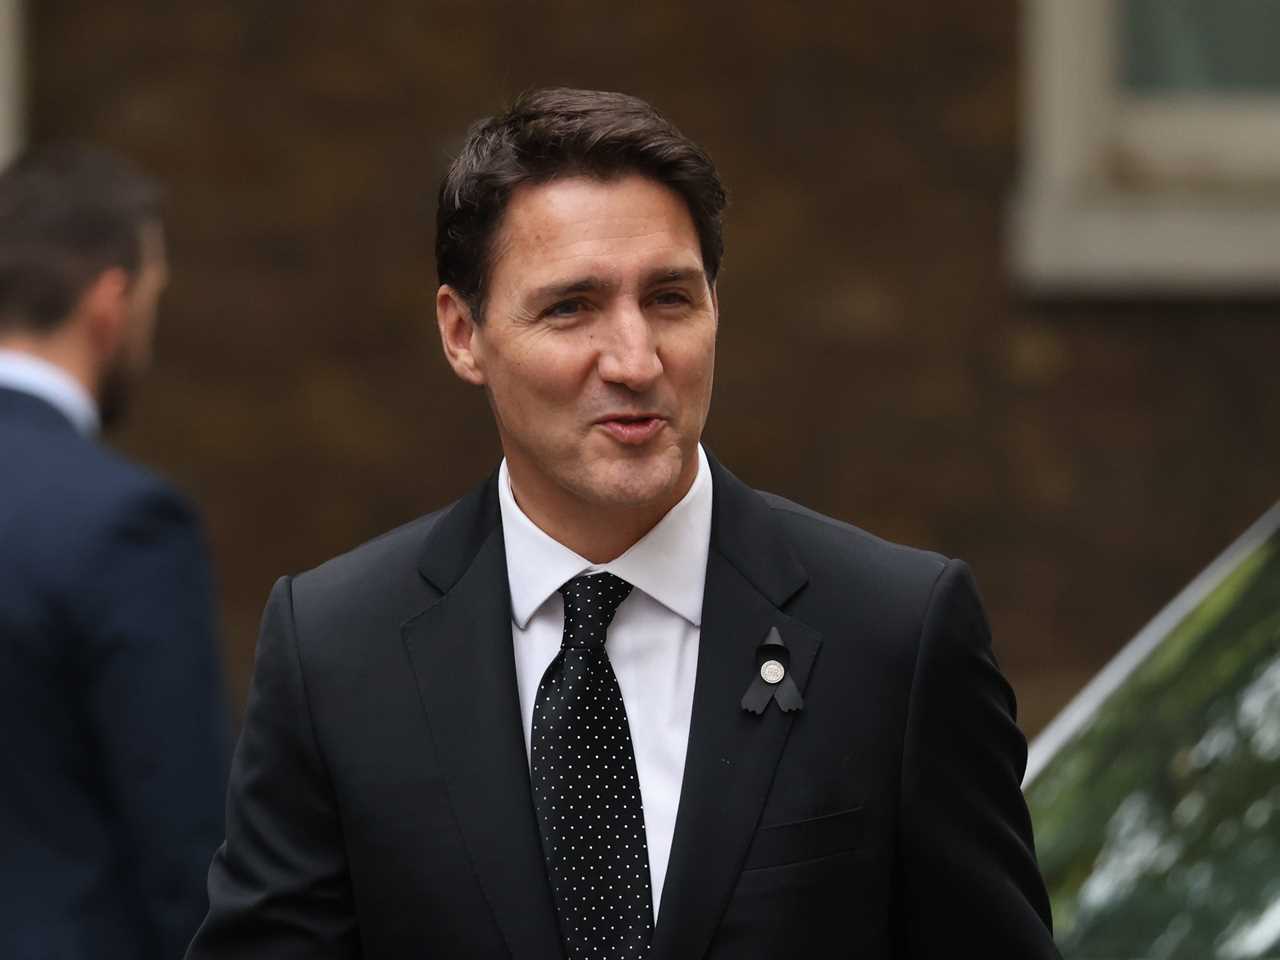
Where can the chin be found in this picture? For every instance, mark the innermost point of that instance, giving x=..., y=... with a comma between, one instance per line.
x=626, y=482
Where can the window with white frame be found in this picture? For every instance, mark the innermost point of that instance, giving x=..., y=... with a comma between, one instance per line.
x=1152, y=148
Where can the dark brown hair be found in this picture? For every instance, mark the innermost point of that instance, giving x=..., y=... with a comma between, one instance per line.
x=553, y=133
x=67, y=213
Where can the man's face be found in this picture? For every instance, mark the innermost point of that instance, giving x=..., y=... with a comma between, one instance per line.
x=598, y=344
x=133, y=352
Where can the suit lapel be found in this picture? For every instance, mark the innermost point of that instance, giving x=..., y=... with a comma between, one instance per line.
x=460, y=650
x=732, y=754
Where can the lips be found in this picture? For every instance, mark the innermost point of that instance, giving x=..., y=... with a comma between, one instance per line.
x=632, y=428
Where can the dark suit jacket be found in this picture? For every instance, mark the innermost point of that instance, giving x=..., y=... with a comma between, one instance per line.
x=113, y=727
x=380, y=805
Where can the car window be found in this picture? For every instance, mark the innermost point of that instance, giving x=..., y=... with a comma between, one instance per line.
x=1158, y=815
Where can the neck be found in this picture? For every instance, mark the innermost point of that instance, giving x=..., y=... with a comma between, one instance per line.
x=600, y=532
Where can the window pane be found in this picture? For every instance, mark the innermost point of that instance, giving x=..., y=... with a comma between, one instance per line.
x=1200, y=46
x=1158, y=825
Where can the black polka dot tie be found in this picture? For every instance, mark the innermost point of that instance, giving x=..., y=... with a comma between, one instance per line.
x=585, y=787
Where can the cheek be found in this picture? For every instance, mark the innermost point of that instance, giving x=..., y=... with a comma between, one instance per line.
x=537, y=377
x=691, y=360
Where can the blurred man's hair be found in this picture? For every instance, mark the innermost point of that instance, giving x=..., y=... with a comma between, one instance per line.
x=68, y=212
x=554, y=133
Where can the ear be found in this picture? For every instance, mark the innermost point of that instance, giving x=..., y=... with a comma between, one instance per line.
x=104, y=311
x=459, y=335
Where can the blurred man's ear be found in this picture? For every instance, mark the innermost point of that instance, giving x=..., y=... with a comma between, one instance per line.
x=459, y=335
x=103, y=312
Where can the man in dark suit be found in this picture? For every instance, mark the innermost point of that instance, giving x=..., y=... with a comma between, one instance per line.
x=614, y=702
x=113, y=727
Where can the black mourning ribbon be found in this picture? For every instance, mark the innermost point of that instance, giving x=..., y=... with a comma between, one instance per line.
x=785, y=691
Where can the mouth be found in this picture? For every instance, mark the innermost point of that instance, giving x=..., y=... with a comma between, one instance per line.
x=632, y=428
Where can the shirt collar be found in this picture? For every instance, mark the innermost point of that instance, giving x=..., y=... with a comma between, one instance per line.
x=48, y=382
x=669, y=563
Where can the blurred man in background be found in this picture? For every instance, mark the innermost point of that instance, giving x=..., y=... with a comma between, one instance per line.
x=113, y=726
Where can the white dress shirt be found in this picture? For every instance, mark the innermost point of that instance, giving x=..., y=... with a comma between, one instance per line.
x=50, y=383
x=652, y=642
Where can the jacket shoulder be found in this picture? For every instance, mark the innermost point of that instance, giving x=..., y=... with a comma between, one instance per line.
x=79, y=484
x=828, y=541
x=376, y=582
x=129, y=481
x=868, y=597
x=859, y=583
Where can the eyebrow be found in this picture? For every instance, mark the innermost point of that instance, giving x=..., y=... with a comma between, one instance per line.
x=675, y=275
x=588, y=284
x=594, y=284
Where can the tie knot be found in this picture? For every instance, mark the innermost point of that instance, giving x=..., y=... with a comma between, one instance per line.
x=589, y=605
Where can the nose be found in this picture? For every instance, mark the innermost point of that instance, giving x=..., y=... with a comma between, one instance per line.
x=630, y=354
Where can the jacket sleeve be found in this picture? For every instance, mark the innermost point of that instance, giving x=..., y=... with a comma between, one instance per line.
x=967, y=883
x=278, y=886
x=155, y=702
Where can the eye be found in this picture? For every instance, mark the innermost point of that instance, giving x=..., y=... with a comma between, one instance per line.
x=565, y=309
x=671, y=298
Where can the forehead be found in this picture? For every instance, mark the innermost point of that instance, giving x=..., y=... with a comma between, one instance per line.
x=583, y=223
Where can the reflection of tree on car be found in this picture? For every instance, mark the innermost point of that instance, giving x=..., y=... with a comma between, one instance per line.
x=1158, y=812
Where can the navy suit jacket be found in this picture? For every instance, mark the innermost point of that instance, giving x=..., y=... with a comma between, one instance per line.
x=380, y=804
x=113, y=725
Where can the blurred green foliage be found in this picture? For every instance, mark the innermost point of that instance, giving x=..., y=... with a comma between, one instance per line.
x=1158, y=825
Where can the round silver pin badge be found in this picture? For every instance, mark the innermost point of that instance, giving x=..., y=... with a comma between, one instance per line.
x=771, y=671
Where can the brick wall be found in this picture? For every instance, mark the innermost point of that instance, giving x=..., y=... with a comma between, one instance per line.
x=1086, y=459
